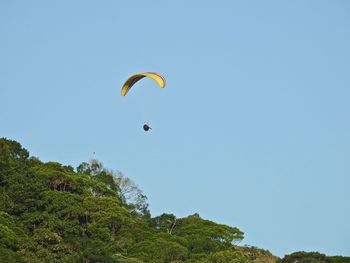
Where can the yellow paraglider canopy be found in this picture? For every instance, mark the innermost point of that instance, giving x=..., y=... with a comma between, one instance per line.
x=135, y=78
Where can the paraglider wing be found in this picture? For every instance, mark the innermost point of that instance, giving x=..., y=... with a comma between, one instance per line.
x=135, y=78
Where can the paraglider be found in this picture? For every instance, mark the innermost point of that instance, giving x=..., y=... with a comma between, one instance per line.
x=160, y=80
x=135, y=78
x=146, y=127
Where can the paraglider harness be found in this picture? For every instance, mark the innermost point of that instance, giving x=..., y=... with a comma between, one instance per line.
x=146, y=127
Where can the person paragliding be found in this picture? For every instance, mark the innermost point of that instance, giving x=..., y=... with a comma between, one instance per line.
x=160, y=80
x=146, y=127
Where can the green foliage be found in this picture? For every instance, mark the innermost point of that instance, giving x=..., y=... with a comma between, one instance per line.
x=339, y=259
x=206, y=236
x=123, y=259
x=159, y=249
x=313, y=257
x=8, y=232
x=12, y=158
x=164, y=223
x=229, y=256
x=11, y=238
x=50, y=213
x=257, y=255
x=12, y=151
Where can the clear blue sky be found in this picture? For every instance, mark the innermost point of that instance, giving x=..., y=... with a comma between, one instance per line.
x=252, y=130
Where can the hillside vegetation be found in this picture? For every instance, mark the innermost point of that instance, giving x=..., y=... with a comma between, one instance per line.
x=51, y=212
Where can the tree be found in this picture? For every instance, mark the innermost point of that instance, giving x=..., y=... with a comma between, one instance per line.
x=229, y=256
x=131, y=194
x=164, y=222
x=206, y=236
x=96, y=171
x=12, y=158
x=159, y=249
x=11, y=237
x=305, y=257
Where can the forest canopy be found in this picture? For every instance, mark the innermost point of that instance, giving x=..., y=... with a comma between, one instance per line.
x=51, y=212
